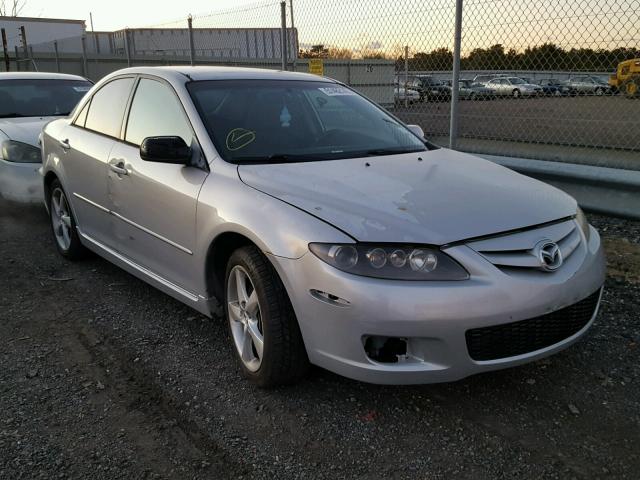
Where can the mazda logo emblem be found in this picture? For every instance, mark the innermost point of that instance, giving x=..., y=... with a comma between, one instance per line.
x=549, y=255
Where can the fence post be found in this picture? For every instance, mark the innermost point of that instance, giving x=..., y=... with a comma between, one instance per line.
x=17, y=59
x=7, y=65
x=406, y=75
x=295, y=38
x=33, y=58
x=55, y=50
x=283, y=34
x=83, y=41
x=126, y=46
x=455, y=87
x=192, y=50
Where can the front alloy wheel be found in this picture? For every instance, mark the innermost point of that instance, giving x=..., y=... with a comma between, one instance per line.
x=245, y=319
x=262, y=324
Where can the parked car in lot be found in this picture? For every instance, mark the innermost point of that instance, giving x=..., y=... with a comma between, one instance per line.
x=430, y=88
x=514, y=87
x=589, y=85
x=27, y=102
x=402, y=94
x=331, y=233
x=486, y=78
x=471, y=90
x=555, y=88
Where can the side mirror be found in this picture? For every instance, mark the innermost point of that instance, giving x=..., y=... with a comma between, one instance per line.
x=416, y=130
x=165, y=150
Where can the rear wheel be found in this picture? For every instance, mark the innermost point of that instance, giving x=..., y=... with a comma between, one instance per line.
x=262, y=324
x=599, y=91
x=632, y=89
x=516, y=93
x=63, y=224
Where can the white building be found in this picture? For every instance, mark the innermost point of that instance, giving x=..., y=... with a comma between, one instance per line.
x=208, y=42
x=39, y=30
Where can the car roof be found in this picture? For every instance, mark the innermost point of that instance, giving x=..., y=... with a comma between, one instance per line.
x=38, y=76
x=179, y=72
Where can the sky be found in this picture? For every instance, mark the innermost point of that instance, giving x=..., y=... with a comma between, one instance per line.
x=387, y=25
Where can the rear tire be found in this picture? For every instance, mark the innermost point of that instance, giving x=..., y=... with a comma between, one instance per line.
x=262, y=325
x=631, y=89
x=63, y=224
x=516, y=93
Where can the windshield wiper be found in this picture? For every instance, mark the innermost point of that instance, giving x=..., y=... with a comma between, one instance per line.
x=274, y=158
x=11, y=115
x=392, y=151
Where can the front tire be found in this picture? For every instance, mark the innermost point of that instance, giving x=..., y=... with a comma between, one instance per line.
x=262, y=324
x=63, y=224
x=516, y=93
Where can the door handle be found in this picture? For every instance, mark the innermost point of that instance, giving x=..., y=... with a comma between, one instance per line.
x=119, y=168
x=65, y=144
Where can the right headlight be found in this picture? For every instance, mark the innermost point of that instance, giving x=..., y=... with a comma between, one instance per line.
x=393, y=262
x=13, y=151
x=581, y=218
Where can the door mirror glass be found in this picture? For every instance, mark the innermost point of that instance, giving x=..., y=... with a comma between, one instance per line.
x=417, y=130
x=165, y=150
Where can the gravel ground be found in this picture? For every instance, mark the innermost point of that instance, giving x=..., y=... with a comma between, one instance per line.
x=102, y=376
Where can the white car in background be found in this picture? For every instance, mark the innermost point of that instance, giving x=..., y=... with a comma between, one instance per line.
x=28, y=101
x=401, y=94
x=514, y=87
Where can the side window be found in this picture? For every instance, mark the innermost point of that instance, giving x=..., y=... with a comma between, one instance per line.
x=156, y=112
x=107, y=107
x=82, y=118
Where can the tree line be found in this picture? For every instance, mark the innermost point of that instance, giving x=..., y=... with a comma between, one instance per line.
x=547, y=56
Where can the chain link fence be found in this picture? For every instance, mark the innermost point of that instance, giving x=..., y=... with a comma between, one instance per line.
x=544, y=80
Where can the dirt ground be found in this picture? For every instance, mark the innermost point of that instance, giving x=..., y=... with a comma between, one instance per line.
x=102, y=376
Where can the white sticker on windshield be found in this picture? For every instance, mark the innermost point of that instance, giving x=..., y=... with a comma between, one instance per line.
x=82, y=89
x=335, y=91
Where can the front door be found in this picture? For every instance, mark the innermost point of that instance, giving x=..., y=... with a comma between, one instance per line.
x=154, y=204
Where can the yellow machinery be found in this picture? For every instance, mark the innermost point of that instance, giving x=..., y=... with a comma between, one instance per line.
x=627, y=78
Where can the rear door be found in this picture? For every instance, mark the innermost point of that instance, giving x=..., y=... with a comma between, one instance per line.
x=154, y=204
x=87, y=143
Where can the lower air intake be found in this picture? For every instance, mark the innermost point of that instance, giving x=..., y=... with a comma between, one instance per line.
x=517, y=338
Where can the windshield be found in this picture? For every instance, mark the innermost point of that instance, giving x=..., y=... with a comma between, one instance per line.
x=289, y=121
x=516, y=81
x=40, y=98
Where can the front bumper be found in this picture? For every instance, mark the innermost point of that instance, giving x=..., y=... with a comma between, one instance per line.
x=434, y=316
x=21, y=182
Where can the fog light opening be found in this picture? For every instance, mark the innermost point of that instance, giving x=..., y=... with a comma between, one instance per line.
x=386, y=349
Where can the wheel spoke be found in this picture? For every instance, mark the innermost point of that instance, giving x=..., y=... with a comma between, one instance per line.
x=256, y=337
x=246, y=351
x=65, y=235
x=235, y=313
x=56, y=204
x=241, y=286
x=252, y=304
x=66, y=219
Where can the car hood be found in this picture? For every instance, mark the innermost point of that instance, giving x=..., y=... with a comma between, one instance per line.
x=445, y=197
x=25, y=130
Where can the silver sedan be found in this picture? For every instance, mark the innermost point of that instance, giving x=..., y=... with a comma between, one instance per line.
x=329, y=232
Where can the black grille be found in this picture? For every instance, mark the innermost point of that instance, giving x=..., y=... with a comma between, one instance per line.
x=524, y=336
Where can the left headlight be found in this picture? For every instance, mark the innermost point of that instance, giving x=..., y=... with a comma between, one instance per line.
x=394, y=262
x=581, y=218
x=13, y=151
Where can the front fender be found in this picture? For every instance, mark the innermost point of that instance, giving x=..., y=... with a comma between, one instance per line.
x=225, y=204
